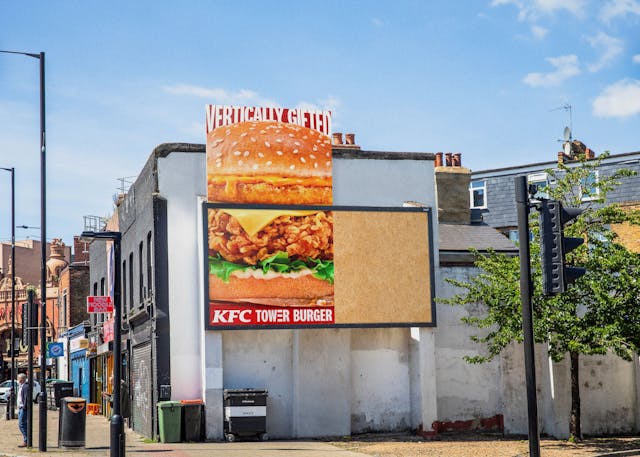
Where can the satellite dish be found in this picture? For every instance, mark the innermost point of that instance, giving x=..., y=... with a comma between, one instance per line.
x=567, y=134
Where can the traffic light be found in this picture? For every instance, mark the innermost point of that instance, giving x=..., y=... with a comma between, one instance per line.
x=554, y=246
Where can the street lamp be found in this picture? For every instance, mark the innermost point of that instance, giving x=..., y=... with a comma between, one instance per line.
x=117, y=440
x=10, y=400
x=42, y=403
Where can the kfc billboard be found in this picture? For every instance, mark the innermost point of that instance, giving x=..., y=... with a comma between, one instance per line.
x=279, y=255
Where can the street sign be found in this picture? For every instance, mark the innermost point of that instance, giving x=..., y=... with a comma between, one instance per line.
x=99, y=304
x=55, y=350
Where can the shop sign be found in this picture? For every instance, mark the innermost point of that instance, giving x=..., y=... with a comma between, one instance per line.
x=78, y=343
x=99, y=304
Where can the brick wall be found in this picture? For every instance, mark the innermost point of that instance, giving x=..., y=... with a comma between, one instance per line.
x=629, y=235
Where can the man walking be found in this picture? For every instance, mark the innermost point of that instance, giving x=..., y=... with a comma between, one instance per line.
x=23, y=404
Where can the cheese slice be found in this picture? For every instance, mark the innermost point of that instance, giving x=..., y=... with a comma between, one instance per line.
x=254, y=220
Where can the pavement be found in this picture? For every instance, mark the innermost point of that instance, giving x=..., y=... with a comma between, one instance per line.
x=97, y=443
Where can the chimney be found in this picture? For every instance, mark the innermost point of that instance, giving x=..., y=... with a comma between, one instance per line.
x=337, y=138
x=452, y=191
x=560, y=157
x=447, y=159
x=350, y=139
x=457, y=159
x=80, y=250
x=438, y=159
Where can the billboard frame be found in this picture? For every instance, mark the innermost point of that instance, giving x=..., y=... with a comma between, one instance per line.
x=205, y=262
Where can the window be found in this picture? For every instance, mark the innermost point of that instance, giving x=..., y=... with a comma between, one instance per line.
x=62, y=312
x=149, y=278
x=537, y=182
x=95, y=288
x=102, y=283
x=131, y=280
x=589, y=189
x=124, y=285
x=478, y=194
x=140, y=275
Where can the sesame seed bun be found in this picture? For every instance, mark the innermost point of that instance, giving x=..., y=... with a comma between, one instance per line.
x=268, y=162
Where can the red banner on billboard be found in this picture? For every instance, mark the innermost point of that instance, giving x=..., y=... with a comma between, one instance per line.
x=221, y=315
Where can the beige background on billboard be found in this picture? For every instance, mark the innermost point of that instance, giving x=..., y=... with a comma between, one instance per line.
x=381, y=267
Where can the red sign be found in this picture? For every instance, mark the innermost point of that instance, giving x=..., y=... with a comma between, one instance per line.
x=97, y=304
x=221, y=315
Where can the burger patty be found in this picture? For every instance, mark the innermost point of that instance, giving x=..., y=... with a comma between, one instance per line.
x=300, y=237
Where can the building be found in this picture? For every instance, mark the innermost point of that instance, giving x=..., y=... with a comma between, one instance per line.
x=492, y=192
x=28, y=271
x=321, y=381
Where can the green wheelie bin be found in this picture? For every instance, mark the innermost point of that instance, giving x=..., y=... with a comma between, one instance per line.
x=170, y=421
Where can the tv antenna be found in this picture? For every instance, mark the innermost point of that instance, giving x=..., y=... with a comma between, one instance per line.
x=567, y=108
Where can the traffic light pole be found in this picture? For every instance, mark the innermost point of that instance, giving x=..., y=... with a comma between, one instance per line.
x=522, y=202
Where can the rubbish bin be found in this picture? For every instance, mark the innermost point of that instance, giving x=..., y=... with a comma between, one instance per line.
x=58, y=390
x=72, y=422
x=245, y=413
x=191, y=420
x=170, y=421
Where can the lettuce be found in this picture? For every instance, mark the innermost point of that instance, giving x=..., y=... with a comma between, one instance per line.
x=279, y=263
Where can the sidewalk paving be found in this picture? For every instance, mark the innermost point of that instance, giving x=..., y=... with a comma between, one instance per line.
x=97, y=443
x=379, y=445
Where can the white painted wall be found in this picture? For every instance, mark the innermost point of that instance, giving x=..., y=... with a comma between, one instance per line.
x=181, y=178
x=608, y=384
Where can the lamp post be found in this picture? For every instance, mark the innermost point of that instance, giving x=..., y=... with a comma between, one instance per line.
x=117, y=437
x=10, y=400
x=43, y=252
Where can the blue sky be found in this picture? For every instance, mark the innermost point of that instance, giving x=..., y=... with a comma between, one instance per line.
x=487, y=78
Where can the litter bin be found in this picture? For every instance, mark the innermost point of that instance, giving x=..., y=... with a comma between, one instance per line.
x=170, y=421
x=58, y=390
x=72, y=422
x=191, y=420
x=245, y=413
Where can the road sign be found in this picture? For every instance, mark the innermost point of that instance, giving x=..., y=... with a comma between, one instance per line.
x=55, y=350
x=99, y=304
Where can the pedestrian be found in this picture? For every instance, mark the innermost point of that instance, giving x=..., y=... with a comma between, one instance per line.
x=23, y=404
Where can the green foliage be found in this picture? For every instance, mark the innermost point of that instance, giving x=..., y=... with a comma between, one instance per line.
x=598, y=313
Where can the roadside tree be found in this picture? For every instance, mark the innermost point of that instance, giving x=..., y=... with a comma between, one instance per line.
x=598, y=314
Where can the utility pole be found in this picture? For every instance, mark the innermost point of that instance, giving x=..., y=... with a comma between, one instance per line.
x=523, y=206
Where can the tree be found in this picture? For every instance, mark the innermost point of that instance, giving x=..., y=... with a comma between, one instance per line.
x=597, y=314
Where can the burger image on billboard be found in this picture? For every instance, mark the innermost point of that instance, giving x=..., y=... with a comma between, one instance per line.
x=268, y=162
x=277, y=256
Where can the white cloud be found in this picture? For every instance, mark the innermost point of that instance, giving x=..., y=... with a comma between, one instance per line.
x=221, y=96
x=636, y=58
x=609, y=47
x=330, y=103
x=533, y=9
x=619, y=8
x=621, y=99
x=539, y=32
x=565, y=68
x=377, y=22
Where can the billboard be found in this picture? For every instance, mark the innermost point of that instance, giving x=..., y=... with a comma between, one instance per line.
x=317, y=266
x=279, y=255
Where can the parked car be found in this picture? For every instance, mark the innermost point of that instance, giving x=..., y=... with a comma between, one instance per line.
x=6, y=386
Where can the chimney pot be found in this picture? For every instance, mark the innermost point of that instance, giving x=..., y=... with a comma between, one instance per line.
x=560, y=157
x=438, y=159
x=350, y=138
x=447, y=159
x=457, y=159
x=337, y=138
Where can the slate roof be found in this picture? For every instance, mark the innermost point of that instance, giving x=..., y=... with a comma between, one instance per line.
x=456, y=237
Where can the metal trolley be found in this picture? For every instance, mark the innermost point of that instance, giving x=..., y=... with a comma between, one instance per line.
x=245, y=413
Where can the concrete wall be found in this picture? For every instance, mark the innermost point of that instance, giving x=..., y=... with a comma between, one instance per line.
x=181, y=178
x=321, y=382
x=608, y=384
